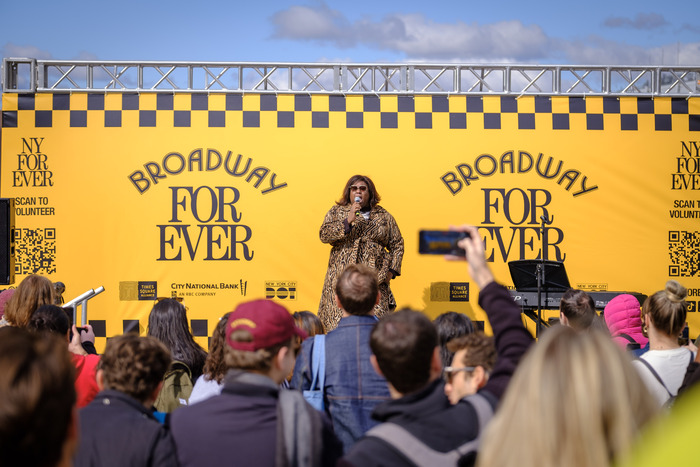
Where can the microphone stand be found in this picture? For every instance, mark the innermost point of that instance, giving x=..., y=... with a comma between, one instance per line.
x=539, y=271
x=81, y=300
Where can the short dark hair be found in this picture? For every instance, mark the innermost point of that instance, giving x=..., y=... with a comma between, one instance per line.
x=481, y=350
x=374, y=197
x=403, y=344
x=50, y=318
x=450, y=325
x=357, y=289
x=37, y=383
x=134, y=365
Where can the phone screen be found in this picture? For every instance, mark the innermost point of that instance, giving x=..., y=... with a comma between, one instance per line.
x=440, y=242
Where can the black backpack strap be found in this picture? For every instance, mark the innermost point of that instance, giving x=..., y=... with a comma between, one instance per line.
x=411, y=447
x=419, y=453
x=627, y=337
x=656, y=375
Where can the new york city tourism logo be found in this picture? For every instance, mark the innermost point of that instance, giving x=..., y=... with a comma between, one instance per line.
x=281, y=290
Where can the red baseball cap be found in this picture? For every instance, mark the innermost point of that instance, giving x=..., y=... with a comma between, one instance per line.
x=268, y=322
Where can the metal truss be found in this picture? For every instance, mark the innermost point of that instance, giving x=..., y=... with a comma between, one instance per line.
x=25, y=75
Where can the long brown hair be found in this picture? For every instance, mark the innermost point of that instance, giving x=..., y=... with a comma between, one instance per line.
x=31, y=293
x=374, y=197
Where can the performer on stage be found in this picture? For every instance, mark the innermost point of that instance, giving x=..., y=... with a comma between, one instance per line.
x=360, y=231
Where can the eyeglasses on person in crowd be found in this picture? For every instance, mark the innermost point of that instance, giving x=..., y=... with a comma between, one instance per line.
x=449, y=371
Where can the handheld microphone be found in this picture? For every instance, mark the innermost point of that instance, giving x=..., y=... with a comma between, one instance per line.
x=358, y=200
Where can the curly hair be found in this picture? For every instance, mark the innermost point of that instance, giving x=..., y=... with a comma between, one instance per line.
x=134, y=365
x=215, y=366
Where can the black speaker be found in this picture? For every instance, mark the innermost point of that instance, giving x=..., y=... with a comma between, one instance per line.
x=7, y=241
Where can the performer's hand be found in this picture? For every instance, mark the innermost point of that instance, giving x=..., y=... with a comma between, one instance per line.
x=354, y=209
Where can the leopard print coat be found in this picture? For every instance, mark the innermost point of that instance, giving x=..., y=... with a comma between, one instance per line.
x=376, y=243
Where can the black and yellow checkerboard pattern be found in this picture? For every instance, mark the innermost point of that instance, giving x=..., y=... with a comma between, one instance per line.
x=454, y=112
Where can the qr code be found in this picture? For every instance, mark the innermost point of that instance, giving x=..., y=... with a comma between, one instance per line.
x=35, y=251
x=684, y=250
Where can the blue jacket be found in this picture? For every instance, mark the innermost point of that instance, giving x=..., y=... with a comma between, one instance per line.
x=352, y=388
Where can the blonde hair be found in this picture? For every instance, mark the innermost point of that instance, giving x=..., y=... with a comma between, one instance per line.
x=667, y=308
x=575, y=400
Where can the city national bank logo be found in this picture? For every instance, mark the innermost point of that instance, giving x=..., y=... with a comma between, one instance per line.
x=282, y=290
x=208, y=288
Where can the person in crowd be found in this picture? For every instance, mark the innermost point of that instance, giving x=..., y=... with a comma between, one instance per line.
x=311, y=325
x=252, y=419
x=450, y=325
x=309, y=322
x=473, y=362
x=585, y=406
x=118, y=427
x=168, y=323
x=31, y=293
x=212, y=380
x=5, y=296
x=53, y=319
x=577, y=310
x=664, y=366
x=38, y=421
x=360, y=231
x=623, y=317
x=406, y=351
x=352, y=388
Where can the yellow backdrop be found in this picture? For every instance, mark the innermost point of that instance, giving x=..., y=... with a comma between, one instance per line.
x=219, y=198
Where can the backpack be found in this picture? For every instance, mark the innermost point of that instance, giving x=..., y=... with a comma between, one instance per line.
x=421, y=454
x=299, y=432
x=177, y=387
x=671, y=397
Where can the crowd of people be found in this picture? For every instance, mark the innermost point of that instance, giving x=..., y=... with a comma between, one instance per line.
x=359, y=384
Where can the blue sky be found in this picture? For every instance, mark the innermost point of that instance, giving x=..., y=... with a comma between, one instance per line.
x=593, y=32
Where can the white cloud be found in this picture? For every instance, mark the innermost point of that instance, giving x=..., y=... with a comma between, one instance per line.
x=643, y=21
x=418, y=38
x=24, y=51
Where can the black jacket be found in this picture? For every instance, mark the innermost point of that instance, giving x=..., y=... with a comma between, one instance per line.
x=117, y=430
x=428, y=415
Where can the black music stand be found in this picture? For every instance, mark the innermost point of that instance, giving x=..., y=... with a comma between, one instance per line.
x=535, y=275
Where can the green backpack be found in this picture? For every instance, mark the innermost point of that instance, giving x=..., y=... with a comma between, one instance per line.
x=177, y=387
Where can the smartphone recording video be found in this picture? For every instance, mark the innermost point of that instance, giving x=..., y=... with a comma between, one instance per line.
x=440, y=242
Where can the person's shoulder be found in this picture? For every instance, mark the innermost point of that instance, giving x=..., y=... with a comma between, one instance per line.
x=371, y=451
